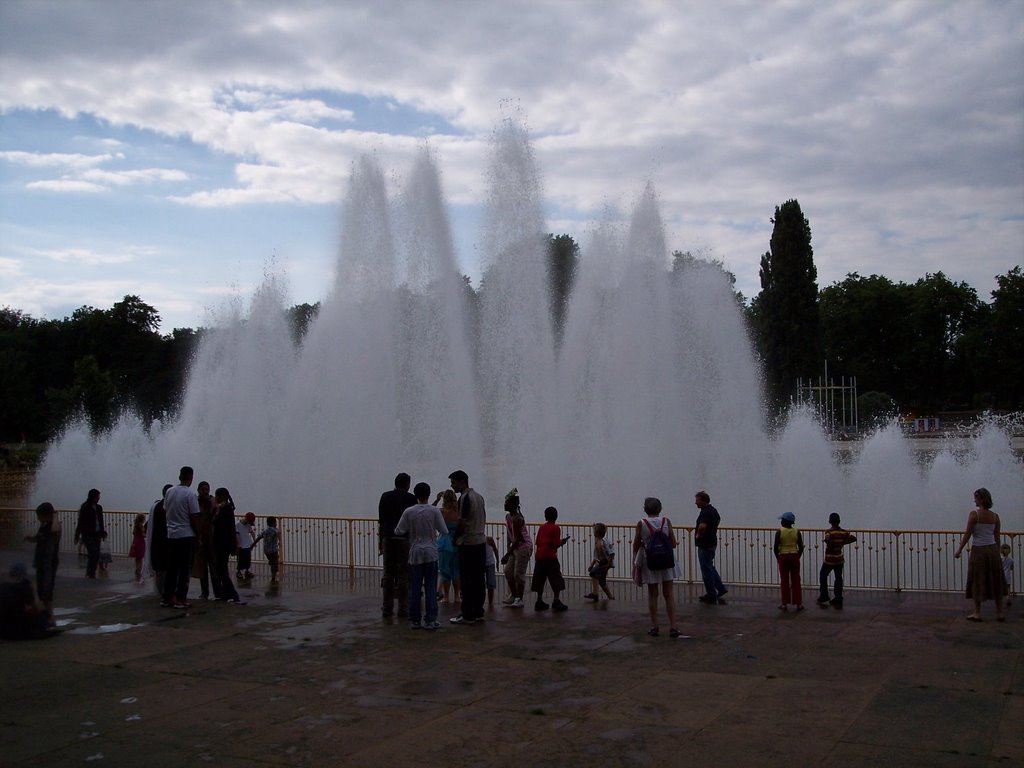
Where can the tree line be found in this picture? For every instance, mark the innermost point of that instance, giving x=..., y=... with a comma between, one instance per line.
x=926, y=346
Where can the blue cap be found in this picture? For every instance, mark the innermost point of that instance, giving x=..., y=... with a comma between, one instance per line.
x=789, y=517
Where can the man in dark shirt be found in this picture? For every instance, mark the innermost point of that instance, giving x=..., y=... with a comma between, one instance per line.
x=706, y=538
x=394, y=548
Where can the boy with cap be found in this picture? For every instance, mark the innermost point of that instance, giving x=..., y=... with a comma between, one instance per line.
x=246, y=534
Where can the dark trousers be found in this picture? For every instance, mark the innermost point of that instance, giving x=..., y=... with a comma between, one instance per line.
x=472, y=570
x=423, y=583
x=713, y=585
x=92, y=552
x=396, y=576
x=837, y=569
x=179, y=569
x=244, y=559
x=223, y=575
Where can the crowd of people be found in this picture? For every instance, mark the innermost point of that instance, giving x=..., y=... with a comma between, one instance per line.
x=193, y=534
x=439, y=552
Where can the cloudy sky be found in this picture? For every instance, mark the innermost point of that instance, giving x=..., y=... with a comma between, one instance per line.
x=178, y=150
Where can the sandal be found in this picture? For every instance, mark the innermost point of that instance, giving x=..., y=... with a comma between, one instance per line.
x=653, y=631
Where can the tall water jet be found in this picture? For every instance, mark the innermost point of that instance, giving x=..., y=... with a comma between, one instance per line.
x=652, y=390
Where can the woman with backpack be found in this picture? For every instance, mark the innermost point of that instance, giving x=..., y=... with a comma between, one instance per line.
x=654, y=558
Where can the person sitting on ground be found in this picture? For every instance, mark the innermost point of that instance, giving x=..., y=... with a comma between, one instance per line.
x=21, y=617
x=546, y=568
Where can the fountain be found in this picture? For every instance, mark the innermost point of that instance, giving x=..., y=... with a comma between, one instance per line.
x=652, y=390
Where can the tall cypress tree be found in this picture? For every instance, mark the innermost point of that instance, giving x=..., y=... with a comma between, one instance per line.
x=786, y=310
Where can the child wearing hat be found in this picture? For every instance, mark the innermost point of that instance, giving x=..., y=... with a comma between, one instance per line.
x=788, y=548
x=244, y=529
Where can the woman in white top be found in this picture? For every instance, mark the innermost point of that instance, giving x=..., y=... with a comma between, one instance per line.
x=984, y=568
x=646, y=528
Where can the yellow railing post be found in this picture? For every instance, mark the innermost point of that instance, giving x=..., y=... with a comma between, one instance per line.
x=350, y=524
x=899, y=576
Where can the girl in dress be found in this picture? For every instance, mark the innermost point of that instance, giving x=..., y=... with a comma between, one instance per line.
x=138, y=548
x=447, y=552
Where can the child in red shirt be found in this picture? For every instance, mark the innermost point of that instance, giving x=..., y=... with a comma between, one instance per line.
x=546, y=568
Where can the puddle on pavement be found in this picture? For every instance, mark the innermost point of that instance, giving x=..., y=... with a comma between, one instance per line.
x=102, y=629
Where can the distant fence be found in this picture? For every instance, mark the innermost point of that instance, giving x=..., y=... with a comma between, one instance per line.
x=892, y=560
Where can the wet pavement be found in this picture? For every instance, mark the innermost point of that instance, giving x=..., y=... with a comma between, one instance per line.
x=310, y=674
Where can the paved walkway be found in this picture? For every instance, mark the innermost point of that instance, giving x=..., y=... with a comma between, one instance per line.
x=311, y=675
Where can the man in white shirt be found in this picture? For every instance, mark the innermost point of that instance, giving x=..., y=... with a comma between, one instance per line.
x=181, y=507
x=422, y=522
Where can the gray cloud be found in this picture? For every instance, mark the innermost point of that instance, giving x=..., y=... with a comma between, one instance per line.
x=899, y=126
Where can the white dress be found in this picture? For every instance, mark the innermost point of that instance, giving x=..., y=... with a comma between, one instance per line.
x=649, y=576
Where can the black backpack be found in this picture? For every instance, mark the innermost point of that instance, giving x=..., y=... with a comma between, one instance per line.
x=659, y=548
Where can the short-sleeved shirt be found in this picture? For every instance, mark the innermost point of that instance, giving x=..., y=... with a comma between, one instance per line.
x=181, y=503
x=473, y=515
x=389, y=511
x=271, y=542
x=549, y=536
x=422, y=523
x=710, y=518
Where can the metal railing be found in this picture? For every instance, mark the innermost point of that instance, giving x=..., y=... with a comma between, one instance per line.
x=879, y=559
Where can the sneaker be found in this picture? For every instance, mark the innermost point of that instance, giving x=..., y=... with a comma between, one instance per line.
x=723, y=591
x=708, y=599
x=590, y=596
x=459, y=620
x=508, y=601
x=541, y=606
x=431, y=625
x=248, y=574
x=823, y=600
x=517, y=603
x=558, y=605
x=239, y=575
x=415, y=625
x=166, y=604
x=837, y=604
x=479, y=620
x=236, y=601
x=181, y=606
